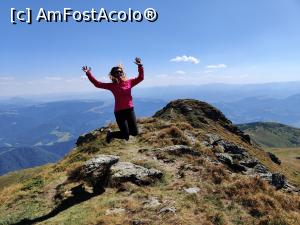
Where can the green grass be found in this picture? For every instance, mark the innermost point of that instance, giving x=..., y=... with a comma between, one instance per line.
x=269, y=134
x=288, y=156
x=20, y=176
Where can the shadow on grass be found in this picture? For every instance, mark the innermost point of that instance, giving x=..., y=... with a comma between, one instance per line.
x=79, y=195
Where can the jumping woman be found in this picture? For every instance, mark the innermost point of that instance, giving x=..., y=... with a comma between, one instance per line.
x=121, y=89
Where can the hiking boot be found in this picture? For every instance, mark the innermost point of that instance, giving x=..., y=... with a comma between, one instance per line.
x=108, y=136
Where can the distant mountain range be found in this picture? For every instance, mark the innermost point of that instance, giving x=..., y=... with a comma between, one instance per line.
x=270, y=134
x=285, y=111
x=39, y=133
x=39, y=123
x=214, y=92
x=12, y=159
x=46, y=124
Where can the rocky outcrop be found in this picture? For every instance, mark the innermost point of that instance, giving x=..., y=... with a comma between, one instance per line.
x=274, y=158
x=169, y=153
x=88, y=137
x=238, y=160
x=96, y=170
x=104, y=170
x=126, y=171
x=198, y=114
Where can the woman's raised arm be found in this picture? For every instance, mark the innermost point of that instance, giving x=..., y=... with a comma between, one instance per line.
x=96, y=83
x=140, y=77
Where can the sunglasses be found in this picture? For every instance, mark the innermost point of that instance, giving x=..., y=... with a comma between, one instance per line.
x=118, y=72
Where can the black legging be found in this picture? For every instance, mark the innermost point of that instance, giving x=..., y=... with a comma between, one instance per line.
x=127, y=123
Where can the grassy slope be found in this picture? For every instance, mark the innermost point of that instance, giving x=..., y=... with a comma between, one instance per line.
x=289, y=159
x=224, y=198
x=269, y=134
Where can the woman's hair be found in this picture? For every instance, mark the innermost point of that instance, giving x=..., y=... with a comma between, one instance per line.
x=112, y=73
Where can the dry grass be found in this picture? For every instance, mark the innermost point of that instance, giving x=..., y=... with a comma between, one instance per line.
x=7, y=192
x=224, y=198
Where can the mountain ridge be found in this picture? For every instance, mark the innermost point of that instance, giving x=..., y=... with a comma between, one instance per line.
x=185, y=167
x=272, y=134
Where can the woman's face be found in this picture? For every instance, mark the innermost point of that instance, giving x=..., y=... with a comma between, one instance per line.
x=118, y=72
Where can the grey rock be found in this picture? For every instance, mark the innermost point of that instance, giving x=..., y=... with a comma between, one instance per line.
x=274, y=158
x=224, y=158
x=167, y=209
x=151, y=203
x=264, y=176
x=88, y=136
x=232, y=148
x=249, y=162
x=136, y=222
x=236, y=167
x=259, y=168
x=213, y=138
x=180, y=150
x=192, y=190
x=239, y=157
x=278, y=180
x=125, y=171
x=96, y=170
x=227, y=159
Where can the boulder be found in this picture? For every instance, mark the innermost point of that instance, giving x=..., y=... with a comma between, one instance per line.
x=96, y=170
x=236, y=167
x=192, y=190
x=85, y=138
x=232, y=148
x=227, y=159
x=278, y=180
x=167, y=209
x=260, y=168
x=249, y=162
x=224, y=158
x=213, y=138
x=125, y=171
x=274, y=158
x=151, y=203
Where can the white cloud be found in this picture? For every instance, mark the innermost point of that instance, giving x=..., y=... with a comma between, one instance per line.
x=180, y=72
x=216, y=66
x=185, y=58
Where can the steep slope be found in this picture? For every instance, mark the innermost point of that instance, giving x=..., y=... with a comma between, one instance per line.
x=270, y=134
x=188, y=165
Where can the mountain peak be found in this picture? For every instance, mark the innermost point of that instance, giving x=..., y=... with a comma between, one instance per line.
x=199, y=114
x=194, y=111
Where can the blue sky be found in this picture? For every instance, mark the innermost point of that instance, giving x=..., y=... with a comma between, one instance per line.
x=192, y=42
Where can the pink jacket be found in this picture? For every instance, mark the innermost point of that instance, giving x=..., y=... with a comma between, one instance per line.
x=121, y=91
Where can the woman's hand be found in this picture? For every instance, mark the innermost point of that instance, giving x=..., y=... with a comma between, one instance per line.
x=138, y=61
x=86, y=69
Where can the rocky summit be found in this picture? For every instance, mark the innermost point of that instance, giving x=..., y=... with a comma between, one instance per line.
x=188, y=165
